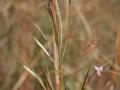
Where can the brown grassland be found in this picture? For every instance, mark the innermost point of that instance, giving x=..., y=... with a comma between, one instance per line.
x=59, y=44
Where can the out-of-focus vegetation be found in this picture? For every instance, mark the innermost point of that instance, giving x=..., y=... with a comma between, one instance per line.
x=91, y=37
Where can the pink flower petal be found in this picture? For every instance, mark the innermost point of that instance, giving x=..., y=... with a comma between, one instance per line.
x=99, y=70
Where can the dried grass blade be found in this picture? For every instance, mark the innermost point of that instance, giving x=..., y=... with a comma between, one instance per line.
x=32, y=72
x=40, y=31
x=43, y=48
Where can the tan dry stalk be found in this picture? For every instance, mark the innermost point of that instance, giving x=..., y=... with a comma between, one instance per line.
x=57, y=37
x=57, y=65
x=117, y=57
x=55, y=14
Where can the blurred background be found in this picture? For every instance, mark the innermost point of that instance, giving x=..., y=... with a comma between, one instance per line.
x=94, y=31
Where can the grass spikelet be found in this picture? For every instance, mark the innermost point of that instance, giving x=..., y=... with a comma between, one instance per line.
x=33, y=73
x=40, y=31
x=44, y=49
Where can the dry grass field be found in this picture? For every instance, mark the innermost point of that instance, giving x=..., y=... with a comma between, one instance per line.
x=59, y=44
